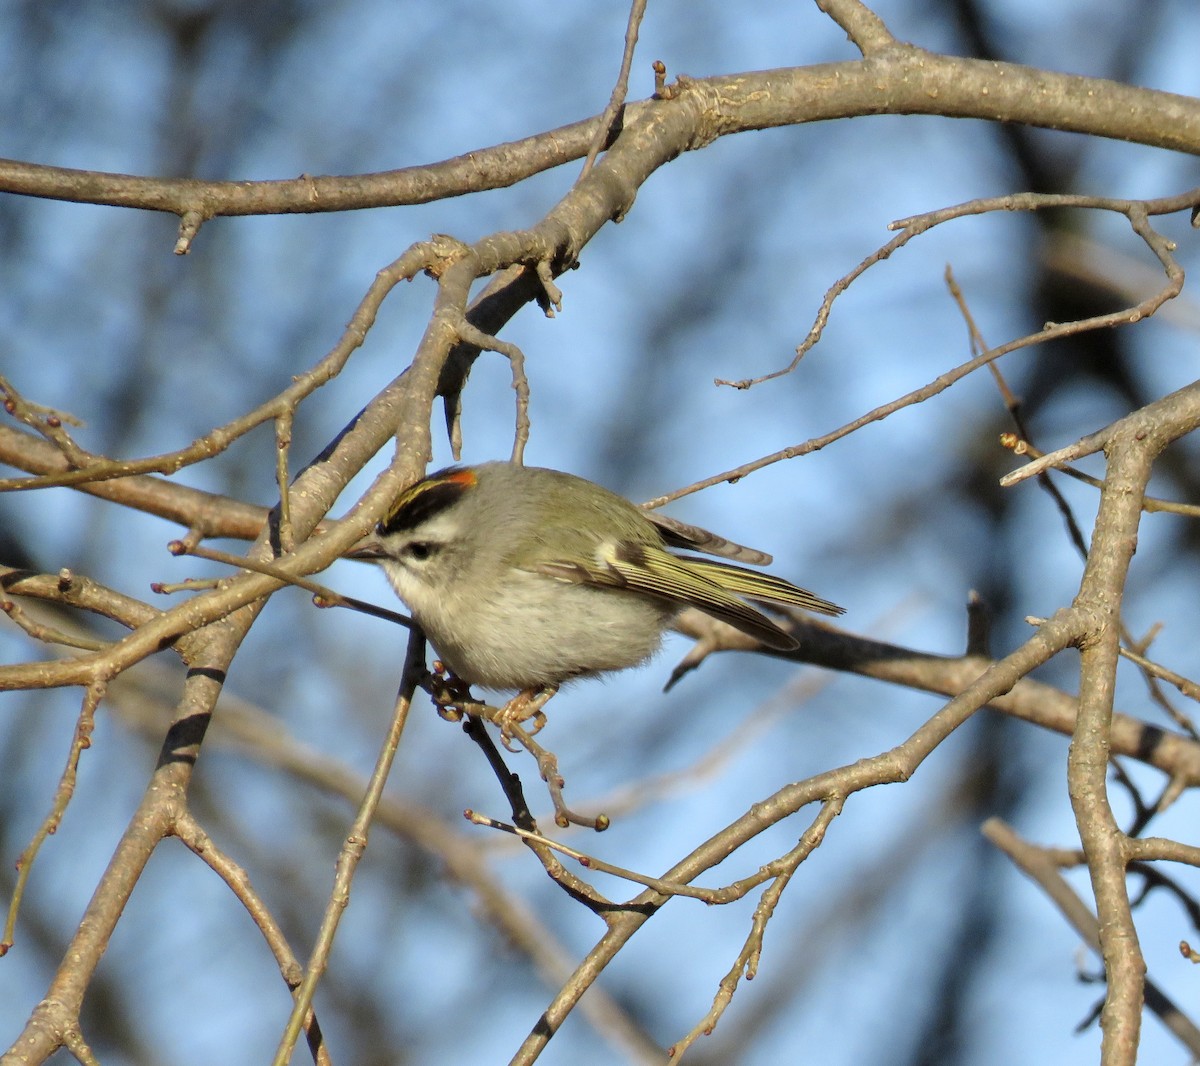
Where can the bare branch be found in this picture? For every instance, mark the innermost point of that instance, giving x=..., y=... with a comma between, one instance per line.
x=863, y=27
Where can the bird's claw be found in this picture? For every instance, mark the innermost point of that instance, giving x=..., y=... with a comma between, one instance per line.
x=524, y=707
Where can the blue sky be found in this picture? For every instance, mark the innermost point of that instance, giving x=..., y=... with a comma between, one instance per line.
x=716, y=272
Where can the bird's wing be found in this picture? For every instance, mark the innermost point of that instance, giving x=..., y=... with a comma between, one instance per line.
x=766, y=587
x=654, y=572
x=679, y=534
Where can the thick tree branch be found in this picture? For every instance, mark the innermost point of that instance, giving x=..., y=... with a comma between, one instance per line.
x=896, y=79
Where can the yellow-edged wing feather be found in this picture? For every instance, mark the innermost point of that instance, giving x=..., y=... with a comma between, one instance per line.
x=766, y=587
x=712, y=587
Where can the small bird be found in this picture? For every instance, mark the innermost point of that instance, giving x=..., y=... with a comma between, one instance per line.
x=525, y=578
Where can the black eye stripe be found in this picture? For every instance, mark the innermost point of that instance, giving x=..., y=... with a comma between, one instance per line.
x=425, y=500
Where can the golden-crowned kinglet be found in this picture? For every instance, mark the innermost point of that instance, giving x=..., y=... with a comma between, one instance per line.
x=524, y=578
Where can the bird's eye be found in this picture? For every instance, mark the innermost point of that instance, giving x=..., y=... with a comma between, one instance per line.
x=421, y=550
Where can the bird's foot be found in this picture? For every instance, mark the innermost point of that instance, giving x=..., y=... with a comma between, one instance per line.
x=525, y=706
x=451, y=695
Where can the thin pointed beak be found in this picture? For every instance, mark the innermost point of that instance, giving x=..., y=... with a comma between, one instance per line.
x=369, y=549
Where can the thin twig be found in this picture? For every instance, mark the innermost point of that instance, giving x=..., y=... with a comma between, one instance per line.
x=62, y=797
x=751, y=951
x=188, y=830
x=354, y=847
x=1040, y=867
x=323, y=595
x=616, y=100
